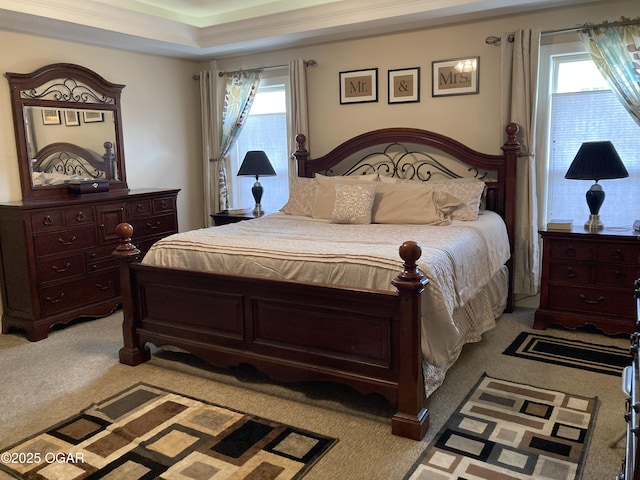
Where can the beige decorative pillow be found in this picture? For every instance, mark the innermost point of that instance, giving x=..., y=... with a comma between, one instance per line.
x=302, y=197
x=469, y=190
x=326, y=196
x=412, y=203
x=354, y=203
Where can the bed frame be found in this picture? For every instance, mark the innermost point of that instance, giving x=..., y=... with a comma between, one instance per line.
x=71, y=159
x=294, y=331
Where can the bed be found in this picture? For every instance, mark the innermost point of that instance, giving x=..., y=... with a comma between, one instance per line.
x=63, y=162
x=393, y=328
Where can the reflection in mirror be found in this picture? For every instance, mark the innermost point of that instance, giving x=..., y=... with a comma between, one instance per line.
x=69, y=144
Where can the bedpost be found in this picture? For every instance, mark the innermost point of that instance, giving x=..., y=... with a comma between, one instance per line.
x=412, y=418
x=301, y=154
x=126, y=252
x=511, y=150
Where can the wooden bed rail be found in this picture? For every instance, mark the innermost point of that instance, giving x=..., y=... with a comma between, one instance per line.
x=381, y=355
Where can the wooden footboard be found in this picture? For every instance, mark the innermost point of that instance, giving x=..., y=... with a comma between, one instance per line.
x=291, y=331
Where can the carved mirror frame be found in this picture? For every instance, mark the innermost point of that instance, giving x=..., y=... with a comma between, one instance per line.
x=64, y=87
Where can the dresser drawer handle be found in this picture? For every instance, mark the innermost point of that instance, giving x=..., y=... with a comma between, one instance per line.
x=620, y=276
x=139, y=208
x=570, y=252
x=571, y=272
x=66, y=244
x=104, y=287
x=48, y=220
x=163, y=204
x=591, y=302
x=81, y=217
x=153, y=227
x=55, y=300
x=61, y=269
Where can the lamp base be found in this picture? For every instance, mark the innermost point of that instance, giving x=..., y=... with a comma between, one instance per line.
x=594, y=223
x=257, y=210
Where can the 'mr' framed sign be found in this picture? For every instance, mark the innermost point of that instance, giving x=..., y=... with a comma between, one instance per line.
x=359, y=86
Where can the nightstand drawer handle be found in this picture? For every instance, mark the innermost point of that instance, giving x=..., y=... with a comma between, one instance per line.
x=570, y=252
x=571, y=272
x=66, y=244
x=620, y=276
x=61, y=269
x=618, y=255
x=591, y=302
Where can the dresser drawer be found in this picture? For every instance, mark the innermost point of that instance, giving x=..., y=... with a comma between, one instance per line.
x=164, y=204
x=568, y=250
x=139, y=208
x=63, y=242
x=43, y=221
x=570, y=272
x=60, y=268
x=595, y=301
x=151, y=226
x=77, y=293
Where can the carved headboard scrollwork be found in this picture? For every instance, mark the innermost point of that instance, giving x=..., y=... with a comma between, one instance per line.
x=67, y=126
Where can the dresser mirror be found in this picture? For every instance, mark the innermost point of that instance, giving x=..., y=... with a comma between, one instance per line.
x=67, y=129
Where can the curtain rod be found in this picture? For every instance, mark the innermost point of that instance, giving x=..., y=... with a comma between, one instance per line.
x=494, y=40
x=307, y=63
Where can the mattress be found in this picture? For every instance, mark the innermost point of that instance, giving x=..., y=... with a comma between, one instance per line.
x=464, y=263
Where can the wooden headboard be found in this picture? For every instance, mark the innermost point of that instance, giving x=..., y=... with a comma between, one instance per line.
x=423, y=155
x=71, y=159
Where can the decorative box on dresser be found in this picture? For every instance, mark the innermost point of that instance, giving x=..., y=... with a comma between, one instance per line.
x=56, y=255
x=588, y=278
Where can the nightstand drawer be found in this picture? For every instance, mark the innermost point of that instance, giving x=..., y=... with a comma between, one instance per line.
x=570, y=272
x=569, y=250
x=599, y=301
x=624, y=254
x=616, y=276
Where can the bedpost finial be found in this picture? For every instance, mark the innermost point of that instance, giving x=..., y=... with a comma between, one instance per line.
x=512, y=130
x=301, y=140
x=124, y=231
x=410, y=278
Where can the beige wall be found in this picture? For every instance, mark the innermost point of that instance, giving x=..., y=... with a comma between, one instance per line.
x=160, y=115
x=473, y=119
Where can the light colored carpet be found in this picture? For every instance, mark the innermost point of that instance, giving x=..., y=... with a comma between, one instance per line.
x=48, y=381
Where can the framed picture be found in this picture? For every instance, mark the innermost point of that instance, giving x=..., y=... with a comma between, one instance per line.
x=359, y=86
x=50, y=116
x=71, y=118
x=91, y=116
x=404, y=85
x=458, y=76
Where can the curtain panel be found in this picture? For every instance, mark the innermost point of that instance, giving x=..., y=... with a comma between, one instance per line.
x=615, y=49
x=519, y=77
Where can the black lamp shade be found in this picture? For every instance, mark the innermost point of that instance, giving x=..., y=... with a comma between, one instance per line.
x=596, y=161
x=256, y=164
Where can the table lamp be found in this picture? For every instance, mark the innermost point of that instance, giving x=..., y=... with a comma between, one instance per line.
x=256, y=163
x=596, y=161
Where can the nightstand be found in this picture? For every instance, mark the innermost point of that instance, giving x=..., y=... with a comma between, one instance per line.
x=588, y=278
x=225, y=218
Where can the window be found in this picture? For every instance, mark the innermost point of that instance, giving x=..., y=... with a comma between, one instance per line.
x=265, y=129
x=581, y=108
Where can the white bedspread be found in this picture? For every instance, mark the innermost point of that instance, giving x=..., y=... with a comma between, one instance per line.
x=458, y=259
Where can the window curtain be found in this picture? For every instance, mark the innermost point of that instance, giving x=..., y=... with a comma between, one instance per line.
x=298, y=108
x=208, y=109
x=240, y=90
x=519, y=76
x=615, y=49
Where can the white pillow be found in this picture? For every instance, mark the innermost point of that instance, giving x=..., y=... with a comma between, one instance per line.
x=326, y=195
x=353, y=203
x=302, y=197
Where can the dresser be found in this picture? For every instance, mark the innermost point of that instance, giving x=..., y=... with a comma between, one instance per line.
x=588, y=278
x=56, y=262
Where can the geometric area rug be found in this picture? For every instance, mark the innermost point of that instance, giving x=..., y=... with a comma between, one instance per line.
x=506, y=430
x=608, y=359
x=146, y=432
